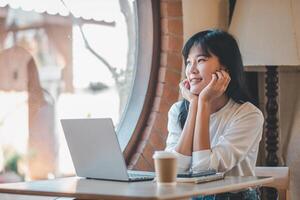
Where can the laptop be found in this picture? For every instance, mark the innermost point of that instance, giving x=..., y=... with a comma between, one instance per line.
x=95, y=150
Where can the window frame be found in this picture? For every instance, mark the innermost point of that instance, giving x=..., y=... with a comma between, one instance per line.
x=139, y=104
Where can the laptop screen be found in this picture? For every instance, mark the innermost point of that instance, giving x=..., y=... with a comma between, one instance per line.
x=94, y=148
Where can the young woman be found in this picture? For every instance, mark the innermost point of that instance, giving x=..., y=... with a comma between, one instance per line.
x=215, y=126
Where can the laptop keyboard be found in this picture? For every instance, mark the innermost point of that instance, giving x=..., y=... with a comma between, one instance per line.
x=135, y=176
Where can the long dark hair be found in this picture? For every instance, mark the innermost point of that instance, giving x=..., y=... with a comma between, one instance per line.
x=224, y=46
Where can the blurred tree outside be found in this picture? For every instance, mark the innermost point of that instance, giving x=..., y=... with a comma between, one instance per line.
x=121, y=77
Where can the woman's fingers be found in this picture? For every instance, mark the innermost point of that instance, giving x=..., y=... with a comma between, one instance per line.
x=227, y=79
x=183, y=88
x=214, y=78
x=223, y=79
x=225, y=75
x=217, y=86
x=220, y=81
x=186, y=84
x=220, y=75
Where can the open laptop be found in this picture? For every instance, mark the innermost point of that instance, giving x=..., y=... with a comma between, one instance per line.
x=95, y=150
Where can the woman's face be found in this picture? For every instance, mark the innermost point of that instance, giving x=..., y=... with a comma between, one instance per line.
x=199, y=69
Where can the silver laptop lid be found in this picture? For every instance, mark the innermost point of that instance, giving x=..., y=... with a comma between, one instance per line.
x=94, y=148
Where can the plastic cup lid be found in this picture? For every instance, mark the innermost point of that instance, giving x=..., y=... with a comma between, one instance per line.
x=164, y=154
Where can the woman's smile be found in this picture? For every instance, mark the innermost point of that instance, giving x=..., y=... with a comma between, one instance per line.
x=194, y=81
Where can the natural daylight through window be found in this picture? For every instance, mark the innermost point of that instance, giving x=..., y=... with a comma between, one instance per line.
x=59, y=59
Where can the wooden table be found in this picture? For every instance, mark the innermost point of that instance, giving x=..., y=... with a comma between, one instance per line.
x=81, y=188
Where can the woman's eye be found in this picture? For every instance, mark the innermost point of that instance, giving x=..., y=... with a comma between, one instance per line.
x=200, y=60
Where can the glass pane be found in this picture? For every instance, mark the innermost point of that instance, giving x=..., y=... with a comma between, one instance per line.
x=59, y=59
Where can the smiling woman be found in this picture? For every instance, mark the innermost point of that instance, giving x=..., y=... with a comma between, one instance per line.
x=215, y=126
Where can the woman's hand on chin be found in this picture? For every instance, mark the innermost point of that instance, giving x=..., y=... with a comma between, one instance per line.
x=216, y=87
x=185, y=91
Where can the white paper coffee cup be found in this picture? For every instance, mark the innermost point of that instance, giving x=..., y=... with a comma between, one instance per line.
x=165, y=164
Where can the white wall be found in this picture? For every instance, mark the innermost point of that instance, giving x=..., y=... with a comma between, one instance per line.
x=289, y=116
x=199, y=15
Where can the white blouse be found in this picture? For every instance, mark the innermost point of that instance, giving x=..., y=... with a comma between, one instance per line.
x=235, y=132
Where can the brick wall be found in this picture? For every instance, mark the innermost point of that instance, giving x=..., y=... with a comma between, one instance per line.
x=155, y=133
